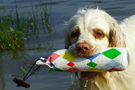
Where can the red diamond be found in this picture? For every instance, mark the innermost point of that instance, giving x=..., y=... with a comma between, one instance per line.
x=114, y=69
x=71, y=64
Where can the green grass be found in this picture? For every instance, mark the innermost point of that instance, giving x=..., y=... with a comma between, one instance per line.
x=16, y=27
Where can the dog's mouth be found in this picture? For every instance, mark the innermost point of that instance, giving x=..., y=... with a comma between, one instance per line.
x=87, y=75
x=81, y=53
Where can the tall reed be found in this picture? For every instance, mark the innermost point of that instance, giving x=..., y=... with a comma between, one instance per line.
x=15, y=27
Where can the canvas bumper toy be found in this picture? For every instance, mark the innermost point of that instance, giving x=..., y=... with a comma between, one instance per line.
x=110, y=59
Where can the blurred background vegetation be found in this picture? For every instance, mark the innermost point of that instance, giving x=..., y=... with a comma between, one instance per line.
x=15, y=27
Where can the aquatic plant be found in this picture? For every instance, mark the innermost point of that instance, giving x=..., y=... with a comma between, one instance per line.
x=24, y=71
x=16, y=27
x=10, y=38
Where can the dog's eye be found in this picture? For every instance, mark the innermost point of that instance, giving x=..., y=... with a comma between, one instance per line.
x=98, y=34
x=75, y=33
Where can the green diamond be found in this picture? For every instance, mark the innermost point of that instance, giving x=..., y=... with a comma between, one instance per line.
x=92, y=64
x=111, y=53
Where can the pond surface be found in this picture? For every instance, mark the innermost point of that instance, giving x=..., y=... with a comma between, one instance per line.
x=61, y=10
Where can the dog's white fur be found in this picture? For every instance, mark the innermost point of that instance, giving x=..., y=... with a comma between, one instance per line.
x=116, y=35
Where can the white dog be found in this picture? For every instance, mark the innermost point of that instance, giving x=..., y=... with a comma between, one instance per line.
x=91, y=30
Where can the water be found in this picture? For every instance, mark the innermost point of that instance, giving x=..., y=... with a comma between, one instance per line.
x=61, y=10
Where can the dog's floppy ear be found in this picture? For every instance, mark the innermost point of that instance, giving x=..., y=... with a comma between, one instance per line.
x=67, y=40
x=68, y=27
x=116, y=37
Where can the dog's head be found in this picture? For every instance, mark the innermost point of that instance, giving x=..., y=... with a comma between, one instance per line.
x=90, y=31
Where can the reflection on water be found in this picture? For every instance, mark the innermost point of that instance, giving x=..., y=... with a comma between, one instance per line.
x=41, y=43
x=2, y=85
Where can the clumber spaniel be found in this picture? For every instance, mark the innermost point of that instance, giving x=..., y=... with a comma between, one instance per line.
x=91, y=30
